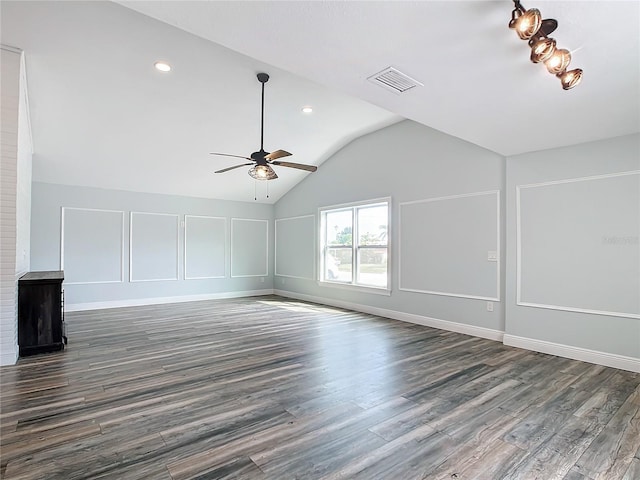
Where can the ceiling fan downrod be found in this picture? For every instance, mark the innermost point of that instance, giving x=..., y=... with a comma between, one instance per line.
x=262, y=78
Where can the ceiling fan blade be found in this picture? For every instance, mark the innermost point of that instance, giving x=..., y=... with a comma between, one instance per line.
x=231, y=168
x=277, y=154
x=299, y=166
x=229, y=155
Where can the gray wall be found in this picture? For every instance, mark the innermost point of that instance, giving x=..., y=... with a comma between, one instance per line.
x=96, y=283
x=579, y=268
x=590, y=258
x=583, y=192
x=409, y=162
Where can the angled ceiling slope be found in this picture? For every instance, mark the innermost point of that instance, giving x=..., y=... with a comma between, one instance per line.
x=102, y=116
x=479, y=84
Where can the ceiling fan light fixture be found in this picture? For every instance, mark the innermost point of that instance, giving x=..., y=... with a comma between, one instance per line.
x=570, y=79
x=262, y=172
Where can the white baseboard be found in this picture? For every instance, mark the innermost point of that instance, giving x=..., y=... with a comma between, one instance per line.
x=585, y=355
x=405, y=317
x=136, y=302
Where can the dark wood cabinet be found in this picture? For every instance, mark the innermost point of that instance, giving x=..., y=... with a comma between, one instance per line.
x=40, y=313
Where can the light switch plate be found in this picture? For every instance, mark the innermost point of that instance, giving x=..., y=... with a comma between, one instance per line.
x=492, y=256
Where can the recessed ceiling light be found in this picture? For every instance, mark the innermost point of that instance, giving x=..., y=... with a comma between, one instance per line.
x=307, y=109
x=162, y=66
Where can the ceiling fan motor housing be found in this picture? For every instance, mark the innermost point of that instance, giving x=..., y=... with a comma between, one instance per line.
x=258, y=157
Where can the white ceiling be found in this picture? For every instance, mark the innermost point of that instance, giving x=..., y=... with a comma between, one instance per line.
x=92, y=84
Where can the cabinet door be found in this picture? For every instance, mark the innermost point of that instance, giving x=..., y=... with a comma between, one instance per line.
x=40, y=315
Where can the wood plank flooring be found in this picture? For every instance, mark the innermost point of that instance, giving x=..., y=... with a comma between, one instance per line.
x=270, y=388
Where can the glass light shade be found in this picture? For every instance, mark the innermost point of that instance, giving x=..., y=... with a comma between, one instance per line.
x=558, y=61
x=571, y=78
x=528, y=24
x=262, y=172
x=542, y=49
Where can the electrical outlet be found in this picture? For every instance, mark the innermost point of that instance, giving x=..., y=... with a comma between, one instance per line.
x=261, y=279
x=282, y=281
x=489, y=306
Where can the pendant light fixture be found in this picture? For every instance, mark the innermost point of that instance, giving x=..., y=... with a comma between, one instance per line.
x=570, y=78
x=558, y=62
x=526, y=24
x=530, y=26
x=542, y=49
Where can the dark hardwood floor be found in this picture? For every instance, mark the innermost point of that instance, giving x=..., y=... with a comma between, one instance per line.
x=270, y=388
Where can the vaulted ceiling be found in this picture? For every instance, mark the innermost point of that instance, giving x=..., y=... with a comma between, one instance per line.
x=103, y=116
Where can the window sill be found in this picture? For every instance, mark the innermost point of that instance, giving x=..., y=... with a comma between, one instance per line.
x=356, y=288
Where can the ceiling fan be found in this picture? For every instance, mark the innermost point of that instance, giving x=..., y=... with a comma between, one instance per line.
x=262, y=160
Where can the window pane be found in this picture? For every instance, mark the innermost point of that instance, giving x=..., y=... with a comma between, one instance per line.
x=339, y=227
x=372, y=225
x=372, y=266
x=338, y=265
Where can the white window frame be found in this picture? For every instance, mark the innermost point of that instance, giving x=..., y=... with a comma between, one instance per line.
x=322, y=234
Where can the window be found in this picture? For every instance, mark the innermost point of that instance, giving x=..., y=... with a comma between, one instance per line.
x=354, y=245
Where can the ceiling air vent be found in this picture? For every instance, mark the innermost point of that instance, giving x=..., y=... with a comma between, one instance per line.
x=394, y=80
